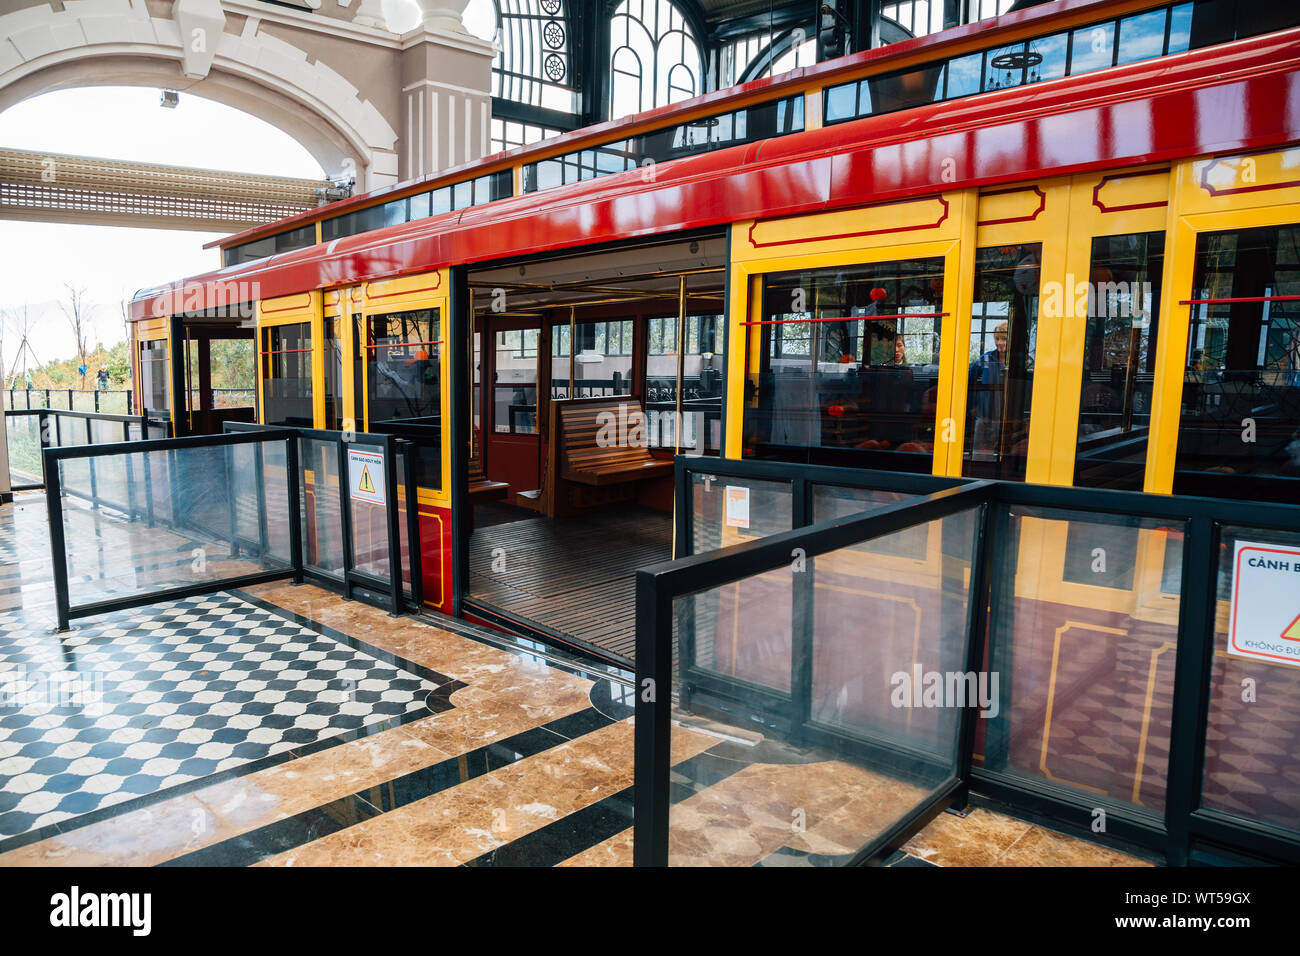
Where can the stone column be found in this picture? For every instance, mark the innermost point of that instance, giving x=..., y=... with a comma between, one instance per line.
x=446, y=100
x=443, y=14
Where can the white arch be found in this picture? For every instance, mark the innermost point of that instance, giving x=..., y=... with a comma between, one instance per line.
x=117, y=43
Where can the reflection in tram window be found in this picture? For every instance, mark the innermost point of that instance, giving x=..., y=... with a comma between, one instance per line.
x=847, y=366
x=402, y=367
x=1004, y=332
x=1240, y=429
x=286, y=375
x=514, y=389
x=153, y=375
x=1119, y=359
x=602, y=364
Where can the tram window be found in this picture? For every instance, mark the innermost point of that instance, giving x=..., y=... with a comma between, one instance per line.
x=333, y=374
x=402, y=367
x=1142, y=37
x=701, y=382
x=1004, y=331
x=1119, y=358
x=603, y=363
x=403, y=387
x=153, y=375
x=286, y=375
x=847, y=366
x=1180, y=28
x=1092, y=48
x=514, y=386
x=1240, y=430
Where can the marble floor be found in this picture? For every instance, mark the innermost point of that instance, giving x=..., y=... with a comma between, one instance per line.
x=439, y=746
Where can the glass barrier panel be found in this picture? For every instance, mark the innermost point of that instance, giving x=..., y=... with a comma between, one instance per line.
x=113, y=553
x=844, y=748
x=24, y=443
x=727, y=511
x=369, y=516
x=1252, y=740
x=738, y=633
x=833, y=501
x=1083, y=631
x=322, y=525
x=902, y=680
x=67, y=432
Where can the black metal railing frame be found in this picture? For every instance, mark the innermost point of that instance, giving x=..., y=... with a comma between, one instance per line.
x=71, y=393
x=1183, y=822
x=54, y=492
x=353, y=578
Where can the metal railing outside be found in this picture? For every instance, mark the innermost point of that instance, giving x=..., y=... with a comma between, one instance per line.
x=107, y=401
x=31, y=431
x=1080, y=648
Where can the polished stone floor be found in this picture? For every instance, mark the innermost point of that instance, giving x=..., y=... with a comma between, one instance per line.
x=439, y=746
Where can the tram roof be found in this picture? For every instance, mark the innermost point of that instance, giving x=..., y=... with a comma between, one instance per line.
x=1218, y=99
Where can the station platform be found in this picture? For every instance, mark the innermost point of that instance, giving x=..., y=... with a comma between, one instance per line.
x=280, y=725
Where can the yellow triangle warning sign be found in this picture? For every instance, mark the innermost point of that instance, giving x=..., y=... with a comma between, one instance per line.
x=1292, y=631
x=366, y=484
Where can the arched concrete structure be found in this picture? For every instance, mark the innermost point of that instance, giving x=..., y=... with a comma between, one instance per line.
x=340, y=87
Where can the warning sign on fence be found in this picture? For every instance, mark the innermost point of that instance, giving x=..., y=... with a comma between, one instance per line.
x=1264, y=617
x=366, y=475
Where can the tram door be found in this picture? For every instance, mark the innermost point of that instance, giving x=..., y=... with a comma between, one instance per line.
x=511, y=366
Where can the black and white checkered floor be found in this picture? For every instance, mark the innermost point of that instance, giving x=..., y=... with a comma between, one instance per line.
x=132, y=703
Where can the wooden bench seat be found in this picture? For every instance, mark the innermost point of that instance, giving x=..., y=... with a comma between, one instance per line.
x=584, y=458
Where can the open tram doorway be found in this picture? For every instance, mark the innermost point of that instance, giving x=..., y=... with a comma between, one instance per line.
x=588, y=373
x=216, y=372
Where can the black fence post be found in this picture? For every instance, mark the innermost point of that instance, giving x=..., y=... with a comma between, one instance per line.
x=90, y=462
x=58, y=552
x=345, y=520
x=394, y=527
x=43, y=436
x=984, y=548
x=295, y=504
x=652, y=726
x=1192, y=666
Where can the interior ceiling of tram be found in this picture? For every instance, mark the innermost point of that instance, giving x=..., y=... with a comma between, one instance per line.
x=633, y=274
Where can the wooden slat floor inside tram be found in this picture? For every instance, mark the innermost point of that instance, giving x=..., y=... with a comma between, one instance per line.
x=574, y=575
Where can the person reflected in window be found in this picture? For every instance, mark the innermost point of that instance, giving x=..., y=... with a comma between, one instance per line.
x=900, y=355
x=987, y=379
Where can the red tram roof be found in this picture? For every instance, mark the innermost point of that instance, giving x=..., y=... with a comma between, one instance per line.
x=1238, y=96
x=933, y=45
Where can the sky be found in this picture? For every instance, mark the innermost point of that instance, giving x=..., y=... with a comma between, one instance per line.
x=112, y=262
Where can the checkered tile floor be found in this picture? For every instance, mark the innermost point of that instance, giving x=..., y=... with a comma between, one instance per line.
x=140, y=701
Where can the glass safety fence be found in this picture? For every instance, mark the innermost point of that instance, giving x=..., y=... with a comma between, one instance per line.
x=1088, y=654
x=133, y=523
